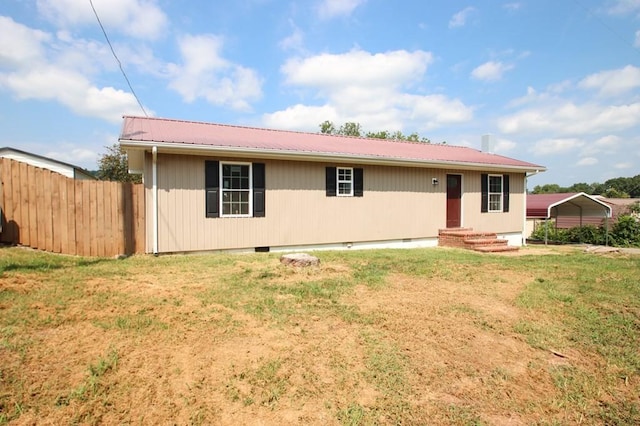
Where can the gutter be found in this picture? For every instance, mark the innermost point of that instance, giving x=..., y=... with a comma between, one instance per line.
x=169, y=147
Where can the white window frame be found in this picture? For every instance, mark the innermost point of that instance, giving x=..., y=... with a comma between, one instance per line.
x=349, y=181
x=223, y=189
x=500, y=194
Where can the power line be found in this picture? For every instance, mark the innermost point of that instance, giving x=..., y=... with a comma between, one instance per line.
x=117, y=60
x=603, y=23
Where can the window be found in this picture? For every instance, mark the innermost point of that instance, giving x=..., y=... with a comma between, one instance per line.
x=234, y=189
x=495, y=193
x=344, y=182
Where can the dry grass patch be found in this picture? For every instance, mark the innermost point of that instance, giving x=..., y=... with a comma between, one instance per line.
x=371, y=337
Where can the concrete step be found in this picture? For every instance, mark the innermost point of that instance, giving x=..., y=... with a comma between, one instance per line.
x=495, y=249
x=478, y=242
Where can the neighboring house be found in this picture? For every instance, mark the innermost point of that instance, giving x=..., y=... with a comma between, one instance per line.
x=220, y=187
x=619, y=206
x=36, y=160
x=568, y=210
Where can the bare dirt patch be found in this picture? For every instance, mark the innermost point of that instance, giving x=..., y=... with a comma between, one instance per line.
x=231, y=341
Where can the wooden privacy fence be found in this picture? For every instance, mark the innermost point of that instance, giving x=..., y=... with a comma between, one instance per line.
x=48, y=211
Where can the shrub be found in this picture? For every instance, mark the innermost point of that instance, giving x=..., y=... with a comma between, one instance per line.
x=587, y=234
x=626, y=231
x=553, y=234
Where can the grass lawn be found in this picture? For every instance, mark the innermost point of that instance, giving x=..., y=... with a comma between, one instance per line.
x=550, y=336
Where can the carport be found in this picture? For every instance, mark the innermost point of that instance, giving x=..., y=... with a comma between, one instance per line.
x=580, y=208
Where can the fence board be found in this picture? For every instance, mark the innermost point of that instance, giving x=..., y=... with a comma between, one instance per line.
x=25, y=234
x=78, y=213
x=69, y=245
x=7, y=204
x=33, y=207
x=17, y=206
x=62, y=232
x=51, y=212
x=56, y=220
x=40, y=222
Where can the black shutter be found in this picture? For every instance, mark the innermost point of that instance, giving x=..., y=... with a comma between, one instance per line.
x=358, y=182
x=258, y=190
x=212, y=188
x=484, y=185
x=331, y=183
x=505, y=193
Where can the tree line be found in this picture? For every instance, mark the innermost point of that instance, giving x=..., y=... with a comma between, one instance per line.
x=351, y=128
x=620, y=187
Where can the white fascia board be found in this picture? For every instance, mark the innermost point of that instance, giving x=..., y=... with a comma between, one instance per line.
x=171, y=148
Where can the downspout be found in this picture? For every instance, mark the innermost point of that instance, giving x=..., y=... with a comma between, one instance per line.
x=524, y=223
x=154, y=192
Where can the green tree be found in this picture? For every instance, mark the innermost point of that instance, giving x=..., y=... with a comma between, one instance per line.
x=615, y=193
x=350, y=128
x=581, y=187
x=384, y=134
x=327, y=127
x=113, y=166
x=550, y=188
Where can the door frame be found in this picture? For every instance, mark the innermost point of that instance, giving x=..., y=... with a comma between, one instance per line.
x=461, y=196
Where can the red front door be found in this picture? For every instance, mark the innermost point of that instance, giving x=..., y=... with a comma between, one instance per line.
x=454, y=196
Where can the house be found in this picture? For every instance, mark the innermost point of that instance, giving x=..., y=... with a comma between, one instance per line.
x=568, y=210
x=222, y=187
x=68, y=170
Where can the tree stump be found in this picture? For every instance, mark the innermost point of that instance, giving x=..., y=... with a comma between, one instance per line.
x=299, y=259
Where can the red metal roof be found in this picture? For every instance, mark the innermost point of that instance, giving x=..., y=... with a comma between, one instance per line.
x=538, y=204
x=143, y=131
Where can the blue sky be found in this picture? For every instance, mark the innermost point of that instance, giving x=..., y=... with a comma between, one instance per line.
x=556, y=81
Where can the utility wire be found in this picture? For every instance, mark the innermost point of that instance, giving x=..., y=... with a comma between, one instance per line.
x=603, y=23
x=117, y=60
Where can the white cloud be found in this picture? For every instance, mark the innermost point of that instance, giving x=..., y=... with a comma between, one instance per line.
x=20, y=44
x=376, y=90
x=300, y=117
x=74, y=155
x=334, y=8
x=72, y=90
x=30, y=74
x=512, y=7
x=623, y=7
x=460, y=18
x=504, y=145
x=358, y=68
x=587, y=161
x=204, y=73
x=567, y=118
x=613, y=82
x=490, y=71
x=137, y=18
x=556, y=146
x=293, y=41
x=622, y=166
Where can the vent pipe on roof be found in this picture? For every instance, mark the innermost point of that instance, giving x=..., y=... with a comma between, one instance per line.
x=488, y=144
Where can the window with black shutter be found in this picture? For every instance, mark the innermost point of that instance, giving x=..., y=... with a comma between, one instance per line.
x=494, y=193
x=234, y=189
x=344, y=182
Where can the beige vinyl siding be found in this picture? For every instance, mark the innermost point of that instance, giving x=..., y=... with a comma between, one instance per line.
x=499, y=222
x=398, y=203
